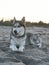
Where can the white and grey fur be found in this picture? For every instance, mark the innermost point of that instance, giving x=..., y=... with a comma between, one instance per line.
x=18, y=36
x=34, y=39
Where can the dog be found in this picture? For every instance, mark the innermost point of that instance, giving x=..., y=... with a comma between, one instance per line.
x=18, y=35
x=34, y=39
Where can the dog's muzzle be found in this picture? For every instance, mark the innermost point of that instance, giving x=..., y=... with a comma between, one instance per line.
x=15, y=32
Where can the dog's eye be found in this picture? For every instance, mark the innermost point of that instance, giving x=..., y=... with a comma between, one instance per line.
x=19, y=26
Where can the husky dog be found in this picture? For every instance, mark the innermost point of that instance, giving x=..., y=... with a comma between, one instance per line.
x=18, y=36
x=36, y=40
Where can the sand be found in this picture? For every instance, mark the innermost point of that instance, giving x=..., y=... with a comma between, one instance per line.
x=31, y=56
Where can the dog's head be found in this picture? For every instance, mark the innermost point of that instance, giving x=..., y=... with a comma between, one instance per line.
x=19, y=27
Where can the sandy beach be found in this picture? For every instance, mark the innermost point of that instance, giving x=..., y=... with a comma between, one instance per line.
x=31, y=56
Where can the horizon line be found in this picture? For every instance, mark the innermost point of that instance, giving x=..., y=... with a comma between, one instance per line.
x=8, y=19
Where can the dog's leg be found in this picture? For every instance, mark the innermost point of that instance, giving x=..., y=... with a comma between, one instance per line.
x=22, y=46
x=13, y=45
x=40, y=43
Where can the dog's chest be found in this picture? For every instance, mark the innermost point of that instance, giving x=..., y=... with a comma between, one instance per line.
x=19, y=40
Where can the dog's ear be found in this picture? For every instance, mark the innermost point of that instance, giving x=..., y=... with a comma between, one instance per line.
x=14, y=20
x=23, y=21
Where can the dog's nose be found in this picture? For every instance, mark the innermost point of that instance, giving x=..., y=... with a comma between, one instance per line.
x=15, y=31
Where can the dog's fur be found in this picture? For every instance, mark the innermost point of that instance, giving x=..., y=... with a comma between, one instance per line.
x=18, y=36
x=34, y=39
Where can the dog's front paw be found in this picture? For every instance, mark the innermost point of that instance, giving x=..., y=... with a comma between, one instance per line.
x=13, y=48
x=40, y=45
x=21, y=49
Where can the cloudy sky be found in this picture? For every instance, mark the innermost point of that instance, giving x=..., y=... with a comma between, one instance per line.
x=33, y=10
